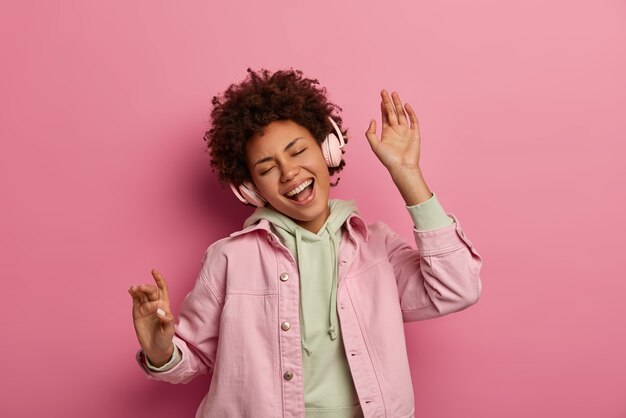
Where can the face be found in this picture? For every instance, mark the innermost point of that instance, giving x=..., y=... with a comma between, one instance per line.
x=287, y=166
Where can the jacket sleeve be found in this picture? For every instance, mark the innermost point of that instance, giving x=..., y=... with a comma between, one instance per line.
x=197, y=332
x=440, y=277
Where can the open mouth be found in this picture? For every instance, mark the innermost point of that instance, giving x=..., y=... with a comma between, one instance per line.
x=302, y=192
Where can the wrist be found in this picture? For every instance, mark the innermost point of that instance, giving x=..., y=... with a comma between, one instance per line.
x=406, y=174
x=159, y=358
x=411, y=185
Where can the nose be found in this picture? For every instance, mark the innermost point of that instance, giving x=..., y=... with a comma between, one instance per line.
x=288, y=170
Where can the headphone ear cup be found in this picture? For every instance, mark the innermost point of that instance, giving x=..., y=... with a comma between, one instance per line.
x=248, y=193
x=252, y=194
x=332, y=150
x=332, y=145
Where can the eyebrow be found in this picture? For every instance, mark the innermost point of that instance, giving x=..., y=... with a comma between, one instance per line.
x=289, y=145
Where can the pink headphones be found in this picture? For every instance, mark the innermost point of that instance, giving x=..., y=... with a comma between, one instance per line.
x=331, y=149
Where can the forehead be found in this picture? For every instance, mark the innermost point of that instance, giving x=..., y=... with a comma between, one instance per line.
x=276, y=136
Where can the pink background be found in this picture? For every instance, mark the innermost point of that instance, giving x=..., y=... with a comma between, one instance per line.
x=103, y=176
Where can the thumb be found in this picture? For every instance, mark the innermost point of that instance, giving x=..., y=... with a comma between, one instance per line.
x=167, y=320
x=370, y=134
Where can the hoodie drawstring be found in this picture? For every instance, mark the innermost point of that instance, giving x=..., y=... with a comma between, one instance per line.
x=332, y=329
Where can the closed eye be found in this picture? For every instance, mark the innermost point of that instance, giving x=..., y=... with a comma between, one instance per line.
x=270, y=169
x=266, y=171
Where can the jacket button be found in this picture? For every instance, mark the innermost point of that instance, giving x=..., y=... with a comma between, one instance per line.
x=288, y=375
x=284, y=277
x=285, y=326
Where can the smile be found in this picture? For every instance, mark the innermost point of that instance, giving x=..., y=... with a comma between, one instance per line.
x=300, y=188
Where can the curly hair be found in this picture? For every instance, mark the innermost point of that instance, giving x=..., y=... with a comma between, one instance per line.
x=244, y=109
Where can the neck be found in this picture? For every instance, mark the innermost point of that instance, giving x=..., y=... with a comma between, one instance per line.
x=314, y=225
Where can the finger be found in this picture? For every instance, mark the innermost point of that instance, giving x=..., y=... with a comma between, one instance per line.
x=151, y=292
x=135, y=296
x=138, y=298
x=138, y=294
x=167, y=320
x=399, y=108
x=142, y=295
x=413, y=117
x=161, y=284
x=391, y=111
x=370, y=134
x=383, y=113
x=143, y=298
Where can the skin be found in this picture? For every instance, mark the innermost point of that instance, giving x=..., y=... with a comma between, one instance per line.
x=283, y=158
x=154, y=332
x=280, y=170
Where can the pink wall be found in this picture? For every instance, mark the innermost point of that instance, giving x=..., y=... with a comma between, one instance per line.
x=103, y=176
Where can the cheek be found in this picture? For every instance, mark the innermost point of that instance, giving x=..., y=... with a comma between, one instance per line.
x=265, y=184
x=260, y=183
x=317, y=161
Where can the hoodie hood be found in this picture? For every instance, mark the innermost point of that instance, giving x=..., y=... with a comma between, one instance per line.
x=305, y=246
x=340, y=210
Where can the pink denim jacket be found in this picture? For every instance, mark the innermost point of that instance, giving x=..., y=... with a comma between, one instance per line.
x=230, y=322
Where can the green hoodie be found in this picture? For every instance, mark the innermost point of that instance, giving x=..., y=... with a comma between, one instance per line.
x=328, y=387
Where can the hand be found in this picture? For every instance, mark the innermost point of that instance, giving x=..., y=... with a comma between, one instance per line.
x=153, y=320
x=399, y=147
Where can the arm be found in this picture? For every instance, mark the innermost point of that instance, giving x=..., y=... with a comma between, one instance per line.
x=442, y=275
x=173, y=361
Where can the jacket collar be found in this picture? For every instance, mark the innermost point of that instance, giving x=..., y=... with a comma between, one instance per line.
x=356, y=225
x=263, y=225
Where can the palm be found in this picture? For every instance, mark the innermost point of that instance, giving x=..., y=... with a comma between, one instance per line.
x=150, y=331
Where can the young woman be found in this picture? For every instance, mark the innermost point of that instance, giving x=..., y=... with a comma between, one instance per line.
x=300, y=313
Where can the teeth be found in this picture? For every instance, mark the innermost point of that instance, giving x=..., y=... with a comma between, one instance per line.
x=299, y=188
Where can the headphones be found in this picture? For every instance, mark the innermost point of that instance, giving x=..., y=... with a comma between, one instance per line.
x=331, y=149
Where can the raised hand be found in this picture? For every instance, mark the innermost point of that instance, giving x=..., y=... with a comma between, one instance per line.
x=153, y=319
x=399, y=146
